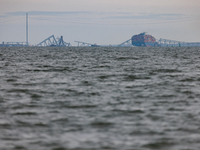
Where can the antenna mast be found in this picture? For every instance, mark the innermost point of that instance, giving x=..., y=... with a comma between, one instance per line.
x=26, y=29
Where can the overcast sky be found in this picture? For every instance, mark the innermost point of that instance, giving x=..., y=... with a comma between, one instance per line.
x=99, y=21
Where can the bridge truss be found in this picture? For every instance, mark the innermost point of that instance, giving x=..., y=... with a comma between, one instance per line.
x=86, y=44
x=51, y=41
x=83, y=43
x=166, y=42
x=173, y=43
x=126, y=43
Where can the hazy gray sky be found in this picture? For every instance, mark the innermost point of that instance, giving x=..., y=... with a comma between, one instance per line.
x=99, y=21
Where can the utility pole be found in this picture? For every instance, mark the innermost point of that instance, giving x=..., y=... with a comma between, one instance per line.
x=26, y=29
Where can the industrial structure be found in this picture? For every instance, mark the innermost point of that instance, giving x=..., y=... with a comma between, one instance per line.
x=51, y=41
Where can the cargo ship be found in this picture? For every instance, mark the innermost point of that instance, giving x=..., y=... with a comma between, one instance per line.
x=144, y=40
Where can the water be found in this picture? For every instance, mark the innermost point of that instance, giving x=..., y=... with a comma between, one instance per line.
x=99, y=98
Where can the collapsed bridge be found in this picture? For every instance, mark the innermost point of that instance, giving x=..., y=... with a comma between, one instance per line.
x=141, y=40
x=52, y=41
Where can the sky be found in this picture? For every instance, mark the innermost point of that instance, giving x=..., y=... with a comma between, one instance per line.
x=99, y=21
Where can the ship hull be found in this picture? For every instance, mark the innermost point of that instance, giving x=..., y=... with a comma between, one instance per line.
x=144, y=44
x=143, y=40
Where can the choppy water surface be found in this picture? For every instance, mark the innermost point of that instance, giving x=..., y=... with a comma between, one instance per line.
x=100, y=98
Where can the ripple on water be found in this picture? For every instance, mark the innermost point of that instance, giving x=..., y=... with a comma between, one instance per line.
x=99, y=98
x=101, y=124
x=134, y=77
x=164, y=144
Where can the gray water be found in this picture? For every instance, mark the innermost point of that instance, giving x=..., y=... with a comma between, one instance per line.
x=99, y=98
